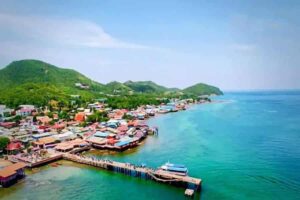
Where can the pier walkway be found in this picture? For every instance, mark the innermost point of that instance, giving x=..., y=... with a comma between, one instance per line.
x=138, y=171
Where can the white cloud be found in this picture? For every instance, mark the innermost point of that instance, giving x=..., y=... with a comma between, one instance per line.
x=61, y=31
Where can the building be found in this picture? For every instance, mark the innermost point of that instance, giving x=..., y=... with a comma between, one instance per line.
x=44, y=120
x=11, y=174
x=69, y=135
x=8, y=124
x=4, y=111
x=80, y=117
x=82, y=85
x=32, y=107
x=24, y=112
x=70, y=145
x=45, y=142
x=14, y=147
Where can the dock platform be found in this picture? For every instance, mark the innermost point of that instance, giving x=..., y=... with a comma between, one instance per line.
x=190, y=183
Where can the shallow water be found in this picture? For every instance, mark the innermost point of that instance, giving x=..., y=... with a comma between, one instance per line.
x=244, y=148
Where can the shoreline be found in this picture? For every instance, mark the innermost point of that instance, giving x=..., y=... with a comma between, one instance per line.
x=104, y=152
x=93, y=151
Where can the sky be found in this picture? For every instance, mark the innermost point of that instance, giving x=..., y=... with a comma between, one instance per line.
x=235, y=45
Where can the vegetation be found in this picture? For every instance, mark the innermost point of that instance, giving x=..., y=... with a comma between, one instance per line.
x=3, y=142
x=42, y=84
x=118, y=88
x=36, y=82
x=98, y=117
x=133, y=101
x=16, y=118
x=146, y=87
x=203, y=89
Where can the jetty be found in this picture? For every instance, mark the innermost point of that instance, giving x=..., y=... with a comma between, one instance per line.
x=190, y=183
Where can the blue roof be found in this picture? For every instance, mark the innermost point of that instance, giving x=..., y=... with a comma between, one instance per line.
x=101, y=134
x=41, y=135
x=171, y=104
x=122, y=143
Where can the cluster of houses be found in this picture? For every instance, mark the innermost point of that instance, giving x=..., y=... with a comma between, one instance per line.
x=34, y=142
x=23, y=111
x=117, y=133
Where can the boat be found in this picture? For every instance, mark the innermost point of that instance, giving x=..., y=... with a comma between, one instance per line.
x=175, y=168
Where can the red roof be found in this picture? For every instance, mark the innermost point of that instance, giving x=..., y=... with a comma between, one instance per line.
x=58, y=126
x=8, y=124
x=80, y=117
x=14, y=146
x=111, y=141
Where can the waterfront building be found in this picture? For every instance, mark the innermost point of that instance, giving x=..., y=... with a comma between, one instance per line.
x=9, y=175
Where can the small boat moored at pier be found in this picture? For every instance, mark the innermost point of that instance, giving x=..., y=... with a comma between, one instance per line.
x=175, y=168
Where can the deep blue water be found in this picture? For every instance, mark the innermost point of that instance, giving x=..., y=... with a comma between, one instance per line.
x=247, y=147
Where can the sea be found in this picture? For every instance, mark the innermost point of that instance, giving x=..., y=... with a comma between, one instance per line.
x=244, y=145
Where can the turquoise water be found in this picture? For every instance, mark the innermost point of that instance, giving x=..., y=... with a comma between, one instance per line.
x=247, y=147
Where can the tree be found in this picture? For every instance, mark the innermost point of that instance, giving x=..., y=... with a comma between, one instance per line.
x=34, y=119
x=97, y=117
x=128, y=117
x=3, y=142
x=50, y=114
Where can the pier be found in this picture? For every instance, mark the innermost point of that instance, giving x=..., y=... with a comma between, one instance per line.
x=190, y=183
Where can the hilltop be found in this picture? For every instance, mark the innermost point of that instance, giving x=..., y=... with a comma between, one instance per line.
x=203, y=89
x=146, y=87
x=117, y=87
x=37, y=82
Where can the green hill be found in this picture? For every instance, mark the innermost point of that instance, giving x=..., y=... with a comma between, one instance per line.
x=35, y=71
x=146, y=87
x=202, y=89
x=117, y=87
x=37, y=82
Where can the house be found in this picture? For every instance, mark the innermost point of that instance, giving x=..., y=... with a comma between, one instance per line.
x=82, y=85
x=44, y=119
x=41, y=135
x=32, y=107
x=70, y=145
x=96, y=106
x=80, y=117
x=58, y=126
x=8, y=124
x=24, y=112
x=65, y=136
x=9, y=175
x=13, y=147
x=101, y=134
x=43, y=142
x=4, y=111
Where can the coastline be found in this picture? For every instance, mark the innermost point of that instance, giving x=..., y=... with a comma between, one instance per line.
x=96, y=152
x=103, y=152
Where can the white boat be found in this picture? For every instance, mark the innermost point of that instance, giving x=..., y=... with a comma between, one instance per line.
x=175, y=168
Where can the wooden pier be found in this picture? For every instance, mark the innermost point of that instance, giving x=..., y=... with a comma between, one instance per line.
x=193, y=184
